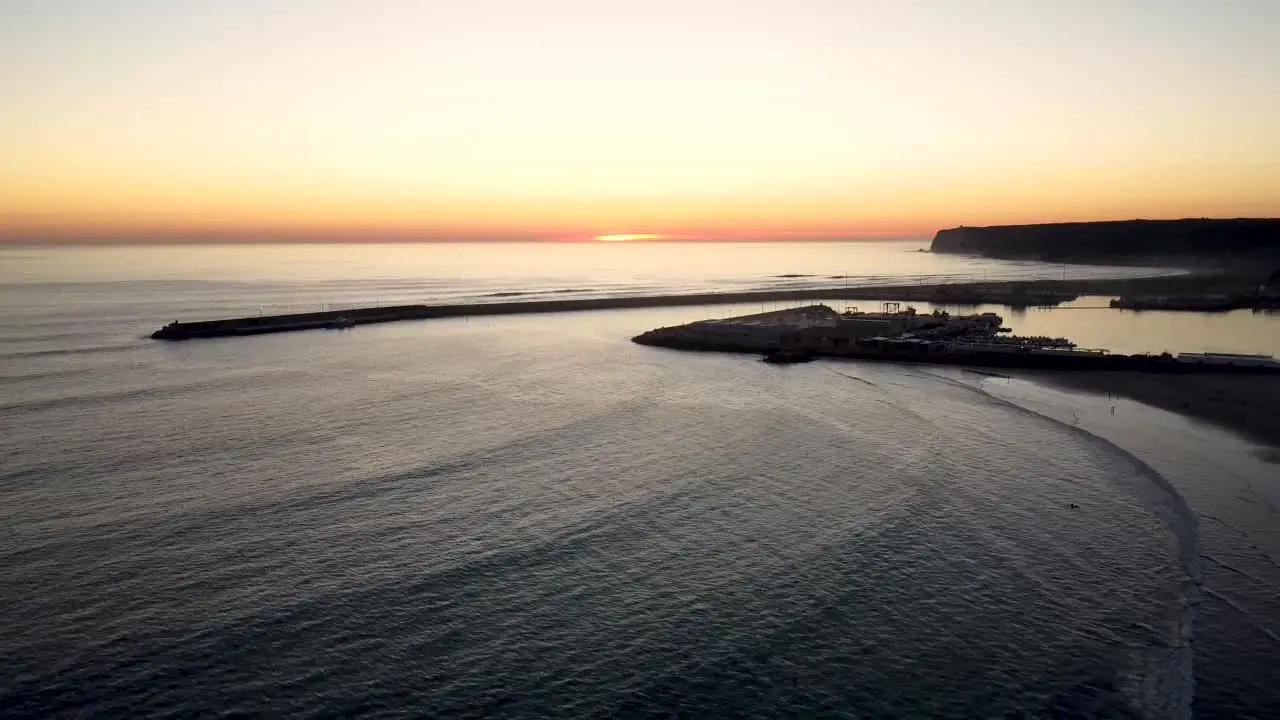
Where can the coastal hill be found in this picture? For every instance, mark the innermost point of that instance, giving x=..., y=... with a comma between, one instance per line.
x=1197, y=240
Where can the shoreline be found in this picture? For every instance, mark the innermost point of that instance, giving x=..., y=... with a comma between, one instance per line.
x=1217, y=472
x=1243, y=405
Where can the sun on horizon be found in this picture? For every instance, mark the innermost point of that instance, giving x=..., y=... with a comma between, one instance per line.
x=695, y=119
x=628, y=237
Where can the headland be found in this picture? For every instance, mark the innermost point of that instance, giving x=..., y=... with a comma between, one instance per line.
x=1195, y=241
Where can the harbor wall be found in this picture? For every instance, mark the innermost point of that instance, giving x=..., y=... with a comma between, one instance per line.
x=996, y=293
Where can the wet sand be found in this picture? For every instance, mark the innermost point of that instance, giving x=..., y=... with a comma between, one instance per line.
x=1248, y=405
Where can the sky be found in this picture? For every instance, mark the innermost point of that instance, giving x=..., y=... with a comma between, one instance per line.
x=577, y=119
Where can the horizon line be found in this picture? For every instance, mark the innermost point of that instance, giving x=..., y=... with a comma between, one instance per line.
x=126, y=242
x=14, y=236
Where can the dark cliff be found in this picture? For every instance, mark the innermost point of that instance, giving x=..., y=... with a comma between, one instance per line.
x=1197, y=239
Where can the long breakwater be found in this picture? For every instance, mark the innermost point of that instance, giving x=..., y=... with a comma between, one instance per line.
x=1003, y=293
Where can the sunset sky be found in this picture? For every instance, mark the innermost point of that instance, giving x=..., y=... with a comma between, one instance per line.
x=571, y=119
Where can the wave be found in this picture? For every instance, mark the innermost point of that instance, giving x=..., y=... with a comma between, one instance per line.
x=109, y=397
x=1173, y=697
x=60, y=373
x=1227, y=566
x=521, y=293
x=95, y=350
x=1245, y=614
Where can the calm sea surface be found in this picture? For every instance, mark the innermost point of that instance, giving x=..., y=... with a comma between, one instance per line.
x=530, y=516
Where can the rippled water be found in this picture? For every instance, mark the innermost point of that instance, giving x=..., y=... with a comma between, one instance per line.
x=209, y=282
x=530, y=516
x=1234, y=490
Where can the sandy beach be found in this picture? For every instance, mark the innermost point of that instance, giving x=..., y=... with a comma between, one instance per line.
x=1247, y=405
x=1243, y=404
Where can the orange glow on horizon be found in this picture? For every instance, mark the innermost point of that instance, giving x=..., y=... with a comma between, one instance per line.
x=600, y=122
x=629, y=237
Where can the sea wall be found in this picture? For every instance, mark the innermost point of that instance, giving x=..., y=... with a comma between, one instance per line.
x=1015, y=294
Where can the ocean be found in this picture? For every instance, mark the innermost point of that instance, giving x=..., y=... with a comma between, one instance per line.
x=530, y=516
